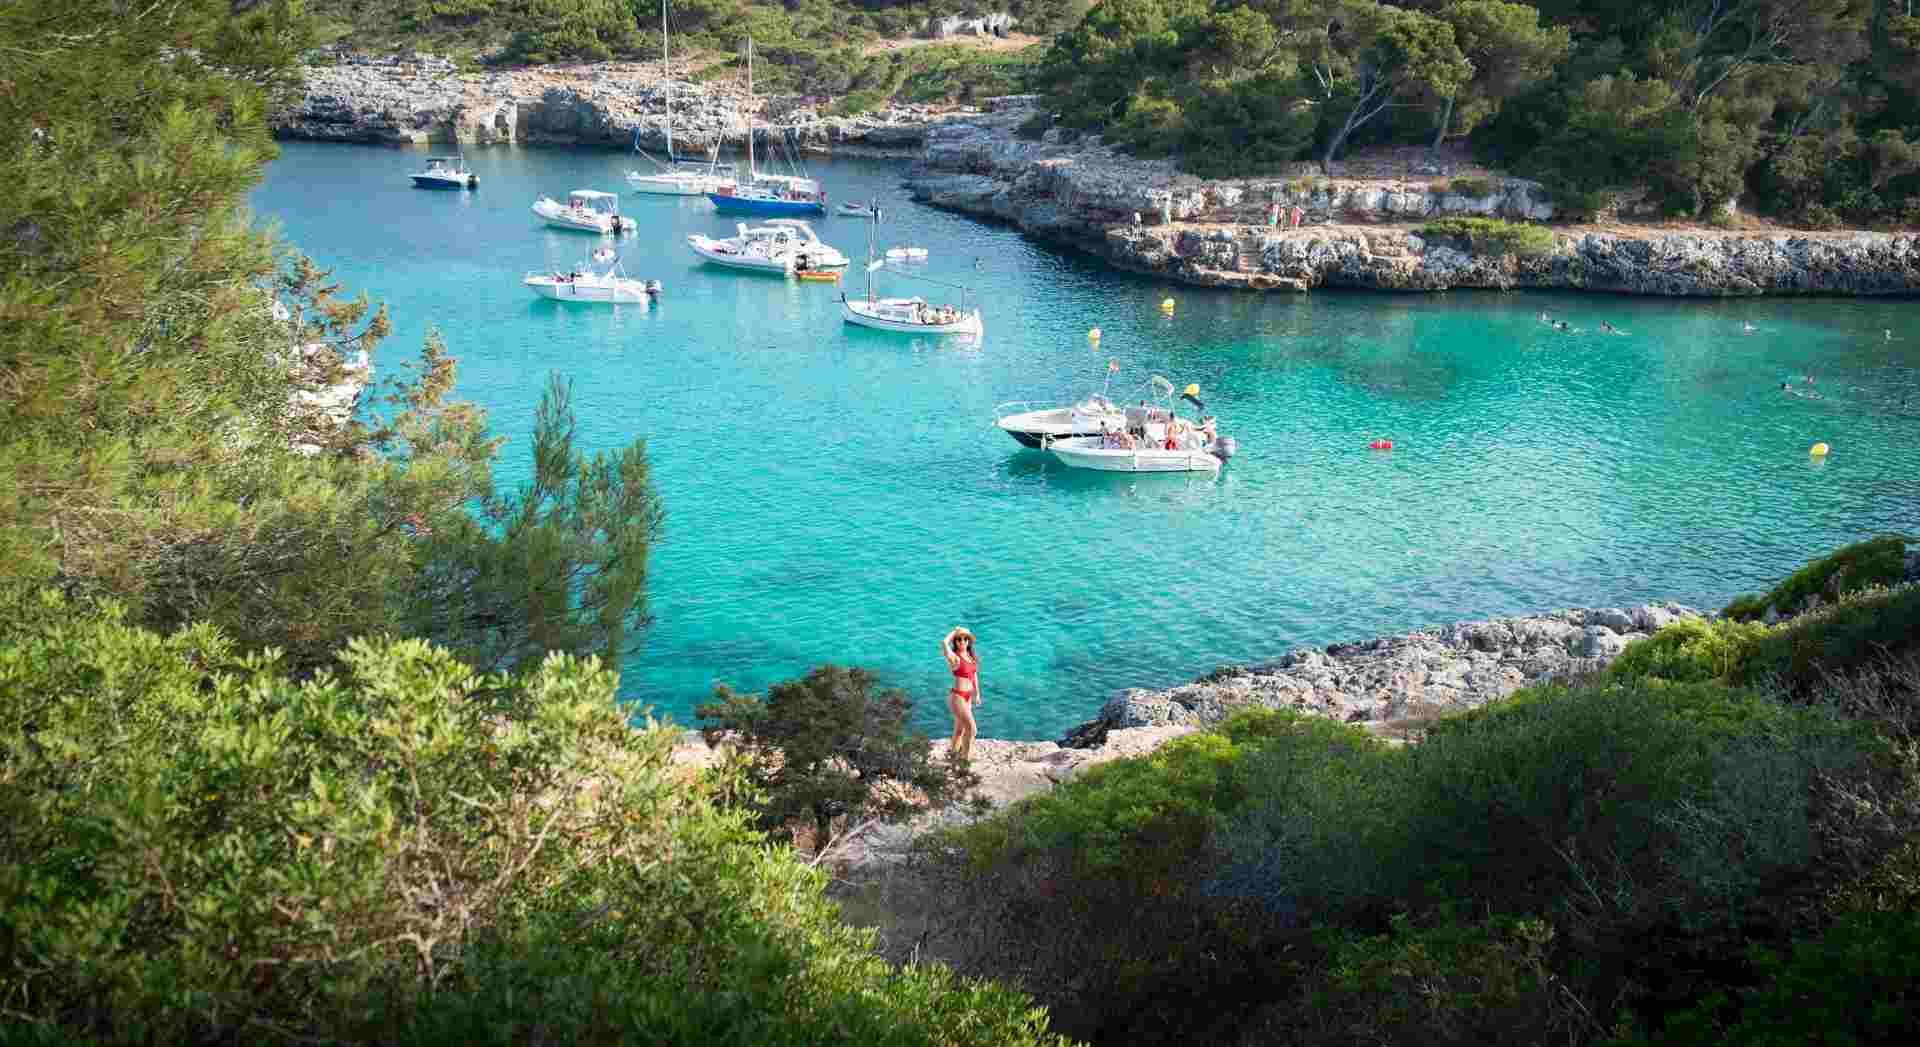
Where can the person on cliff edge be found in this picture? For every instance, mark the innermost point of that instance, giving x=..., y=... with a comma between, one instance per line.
x=964, y=696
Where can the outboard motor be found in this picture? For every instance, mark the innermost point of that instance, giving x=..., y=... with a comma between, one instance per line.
x=653, y=287
x=1224, y=447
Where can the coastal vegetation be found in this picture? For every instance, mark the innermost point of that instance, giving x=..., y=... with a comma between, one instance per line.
x=306, y=730
x=1491, y=235
x=1668, y=852
x=1806, y=111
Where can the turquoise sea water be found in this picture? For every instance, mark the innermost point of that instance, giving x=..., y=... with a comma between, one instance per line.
x=837, y=494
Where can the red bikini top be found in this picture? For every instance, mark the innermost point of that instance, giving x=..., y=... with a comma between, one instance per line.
x=965, y=668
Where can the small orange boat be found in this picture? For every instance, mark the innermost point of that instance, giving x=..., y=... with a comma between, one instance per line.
x=818, y=274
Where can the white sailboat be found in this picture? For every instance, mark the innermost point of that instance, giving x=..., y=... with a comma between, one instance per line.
x=608, y=286
x=905, y=315
x=678, y=176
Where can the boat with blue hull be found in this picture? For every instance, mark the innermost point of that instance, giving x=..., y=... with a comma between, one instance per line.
x=772, y=196
x=766, y=195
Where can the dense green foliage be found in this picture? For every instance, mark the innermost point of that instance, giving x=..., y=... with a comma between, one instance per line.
x=1578, y=862
x=1877, y=561
x=152, y=449
x=1810, y=110
x=832, y=744
x=1491, y=235
x=811, y=47
x=243, y=797
x=197, y=848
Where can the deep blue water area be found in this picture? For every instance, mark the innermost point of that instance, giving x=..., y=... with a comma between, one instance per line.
x=838, y=494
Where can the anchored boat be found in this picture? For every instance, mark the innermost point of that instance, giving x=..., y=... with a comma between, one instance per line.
x=907, y=315
x=446, y=172
x=786, y=196
x=587, y=211
x=1153, y=440
x=783, y=245
x=607, y=286
x=678, y=175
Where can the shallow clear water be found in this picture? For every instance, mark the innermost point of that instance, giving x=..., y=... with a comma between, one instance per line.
x=837, y=494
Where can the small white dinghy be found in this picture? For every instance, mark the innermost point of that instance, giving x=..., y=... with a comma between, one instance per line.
x=906, y=254
x=587, y=211
x=608, y=286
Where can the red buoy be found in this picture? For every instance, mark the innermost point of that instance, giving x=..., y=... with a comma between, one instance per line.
x=1380, y=445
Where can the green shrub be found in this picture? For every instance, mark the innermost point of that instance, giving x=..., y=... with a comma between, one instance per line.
x=1863, y=628
x=1689, y=651
x=831, y=744
x=1857, y=983
x=196, y=848
x=1092, y=896
x=1877, y=561
x=1452, y=982
x=1473, y=187
x=1491, y=235
x=856, y=102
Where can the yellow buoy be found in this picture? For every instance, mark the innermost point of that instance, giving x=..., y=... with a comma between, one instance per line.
x=1093, y=334
x=1819, y=450
x=1193, y=389
x=1166, y=305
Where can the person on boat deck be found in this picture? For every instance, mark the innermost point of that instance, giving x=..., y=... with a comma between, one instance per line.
x=1207, y=431
x=1175, y=430
x=964, y=696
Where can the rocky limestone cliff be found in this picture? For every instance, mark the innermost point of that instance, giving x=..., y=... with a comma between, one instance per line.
x=422, y=99
x=1145, y=216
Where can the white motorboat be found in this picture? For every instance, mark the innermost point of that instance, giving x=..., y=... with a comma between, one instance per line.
x=1091, y=452
x=1036, y=424
x=1141, y=444
x=906, y=315
x=906, y=254
x=608, y=286
x=445, y=172
x=586, y=210
x=780, y=246
x=678, y=176
x=856, y=210
x=912, y=316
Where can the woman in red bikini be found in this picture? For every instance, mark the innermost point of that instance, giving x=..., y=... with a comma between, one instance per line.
x=964, y=696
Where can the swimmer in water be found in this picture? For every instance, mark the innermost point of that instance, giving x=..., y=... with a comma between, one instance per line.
x=1889, y=334
x=1809, y=379
x=1561, y=325
x=1748, y=327
x=1608, y=328
x=1544, y=318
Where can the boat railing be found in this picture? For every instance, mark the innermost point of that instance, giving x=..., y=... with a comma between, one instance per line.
x=1013, y=407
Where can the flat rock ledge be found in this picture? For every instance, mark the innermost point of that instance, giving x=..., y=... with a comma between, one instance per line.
x=1147, y=217
x=1393, y=684
x=423, y=99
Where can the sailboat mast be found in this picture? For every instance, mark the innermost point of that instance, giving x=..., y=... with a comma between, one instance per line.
x=751, y=173
x=873, y=223
x=666, y=70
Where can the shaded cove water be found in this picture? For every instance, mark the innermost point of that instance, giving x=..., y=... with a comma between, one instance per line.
x=839, y=495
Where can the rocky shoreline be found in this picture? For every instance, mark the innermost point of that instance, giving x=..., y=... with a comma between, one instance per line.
x=1147, y=217
x=426, y=100
x=1144, y=216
